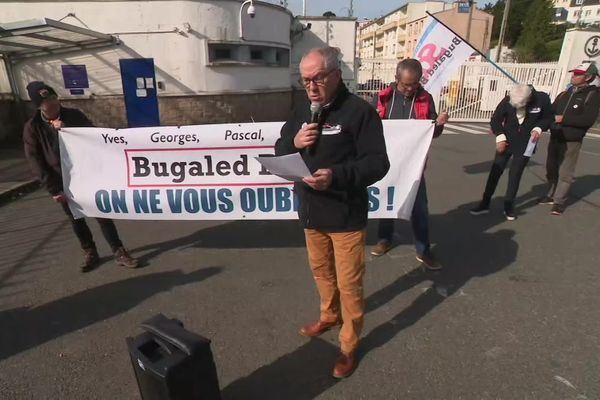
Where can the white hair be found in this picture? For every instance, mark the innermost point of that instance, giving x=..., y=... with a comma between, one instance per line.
x=331, y=57
x=519, y=95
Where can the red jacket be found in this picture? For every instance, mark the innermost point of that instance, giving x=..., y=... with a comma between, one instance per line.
x=421, y=102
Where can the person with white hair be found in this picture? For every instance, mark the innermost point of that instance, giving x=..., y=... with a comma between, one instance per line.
x=522, y=115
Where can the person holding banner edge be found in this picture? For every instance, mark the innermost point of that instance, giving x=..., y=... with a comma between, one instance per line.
x=407, y=99
x=520, y=117
x=345, y=150
x=41, y=144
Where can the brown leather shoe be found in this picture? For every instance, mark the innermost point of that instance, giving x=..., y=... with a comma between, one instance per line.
x=344, y=365
x=381, y=248
x=429, y=262
x=90, y=259
x=123, y=258
x=317, y=328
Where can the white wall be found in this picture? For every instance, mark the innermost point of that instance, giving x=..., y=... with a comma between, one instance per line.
x=335, y=32
x=573, y=52
x=180, y=60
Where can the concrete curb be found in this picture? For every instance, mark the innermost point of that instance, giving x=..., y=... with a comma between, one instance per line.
x=17, y=191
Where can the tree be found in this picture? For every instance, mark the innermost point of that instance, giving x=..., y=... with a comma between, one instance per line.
x=529, y=28
x=516, y=17
x=537, y=31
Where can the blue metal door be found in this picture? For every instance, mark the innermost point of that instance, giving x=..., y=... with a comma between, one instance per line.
x=139, y=88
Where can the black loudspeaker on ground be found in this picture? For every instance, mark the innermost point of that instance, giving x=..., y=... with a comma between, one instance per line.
x=171, y=363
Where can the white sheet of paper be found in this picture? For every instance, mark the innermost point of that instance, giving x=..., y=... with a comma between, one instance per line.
x=290, y=167
x=530, y=148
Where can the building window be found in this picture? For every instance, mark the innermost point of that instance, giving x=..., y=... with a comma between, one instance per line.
x=588, y=13
x=578, y=2
x=282, y=57
x=257, y=54
x=248, y=55
x=222, y=52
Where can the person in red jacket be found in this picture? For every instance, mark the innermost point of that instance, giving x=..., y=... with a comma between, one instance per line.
x=407, y=99
x=40, y=137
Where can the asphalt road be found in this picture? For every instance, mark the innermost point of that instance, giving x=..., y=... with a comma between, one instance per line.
x=514, y=314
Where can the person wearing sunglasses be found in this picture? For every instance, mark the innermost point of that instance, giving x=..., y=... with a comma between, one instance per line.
x=576, y=111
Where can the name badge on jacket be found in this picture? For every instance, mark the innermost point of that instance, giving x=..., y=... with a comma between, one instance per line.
x=331, y=129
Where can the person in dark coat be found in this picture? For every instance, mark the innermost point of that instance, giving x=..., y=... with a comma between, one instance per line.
x=522, y=115
x=576, y=111
x=345, y=151
x=40, y=138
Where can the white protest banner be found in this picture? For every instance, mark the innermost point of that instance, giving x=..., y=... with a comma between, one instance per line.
x=441, y=53
x=210, y=172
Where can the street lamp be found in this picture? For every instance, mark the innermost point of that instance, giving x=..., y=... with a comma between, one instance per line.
x=251, y=12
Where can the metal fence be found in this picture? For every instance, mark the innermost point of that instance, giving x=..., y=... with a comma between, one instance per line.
x=474, y=92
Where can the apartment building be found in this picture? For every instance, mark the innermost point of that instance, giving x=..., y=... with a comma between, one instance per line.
x=395, y=35
x=581, y=12
x=387, y=36
x=479, y=37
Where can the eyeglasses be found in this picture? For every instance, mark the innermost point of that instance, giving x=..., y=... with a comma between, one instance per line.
x=320, y=81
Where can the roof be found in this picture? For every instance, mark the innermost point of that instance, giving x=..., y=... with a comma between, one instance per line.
x=43, y=36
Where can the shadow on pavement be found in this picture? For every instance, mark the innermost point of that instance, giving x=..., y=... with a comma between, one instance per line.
x=24, y=328
x=467, y=251
x=581, y=188
x=302, y=374
x=234, y=235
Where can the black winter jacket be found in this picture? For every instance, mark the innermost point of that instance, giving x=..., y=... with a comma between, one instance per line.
x=353, y=146
x=504, y=120
x=40, y=140
x=579, y=110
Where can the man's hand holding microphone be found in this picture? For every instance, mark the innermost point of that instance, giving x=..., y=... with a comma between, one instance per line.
x=306, y=138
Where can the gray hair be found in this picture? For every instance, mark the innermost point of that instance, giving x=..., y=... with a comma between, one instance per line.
x=410, y=64
x=519, y=95
x=331, y=57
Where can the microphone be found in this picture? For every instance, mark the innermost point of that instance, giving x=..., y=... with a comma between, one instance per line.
x=315, y=110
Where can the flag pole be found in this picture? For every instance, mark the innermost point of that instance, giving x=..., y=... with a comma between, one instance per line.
x=473, y=47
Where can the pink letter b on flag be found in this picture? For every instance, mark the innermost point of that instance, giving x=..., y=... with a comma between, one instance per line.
x=441, y=53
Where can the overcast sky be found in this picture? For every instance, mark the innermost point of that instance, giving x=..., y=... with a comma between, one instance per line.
x=362, y=8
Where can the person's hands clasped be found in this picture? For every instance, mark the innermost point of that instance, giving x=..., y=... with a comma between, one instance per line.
x=320, y=180
x=306, y=136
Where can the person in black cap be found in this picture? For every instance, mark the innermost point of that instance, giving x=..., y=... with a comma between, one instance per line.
x=40, y=137
x=576, y=111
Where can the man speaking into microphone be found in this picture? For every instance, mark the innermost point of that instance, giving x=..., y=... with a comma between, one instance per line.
x=340, y=138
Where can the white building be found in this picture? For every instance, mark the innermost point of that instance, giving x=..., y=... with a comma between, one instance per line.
x=581, y=12
x=386, y=37
x=210, y=60
x=337, y=32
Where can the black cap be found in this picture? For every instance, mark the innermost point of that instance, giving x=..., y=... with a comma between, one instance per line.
x=39, y=91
